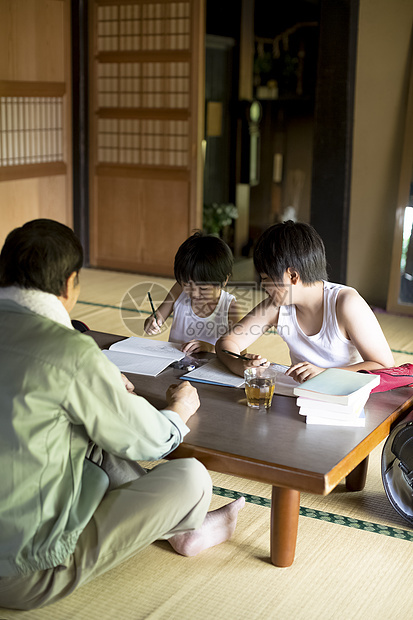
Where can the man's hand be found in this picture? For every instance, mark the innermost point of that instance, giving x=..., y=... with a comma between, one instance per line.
x=128, y=384
x=183, y=399
x=303, y=371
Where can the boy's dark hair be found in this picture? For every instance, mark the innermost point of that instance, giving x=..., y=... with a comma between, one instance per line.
x=41, y=255
x=203, y=258
x=291, y=244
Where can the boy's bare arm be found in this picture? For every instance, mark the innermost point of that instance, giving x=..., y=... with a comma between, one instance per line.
x=243, y=334
x=234, y=313
x=358, y=323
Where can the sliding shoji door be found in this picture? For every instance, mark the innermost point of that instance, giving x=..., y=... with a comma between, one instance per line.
x=35, y=152
x=147, y=78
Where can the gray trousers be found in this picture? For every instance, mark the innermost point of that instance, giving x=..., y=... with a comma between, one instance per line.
x=138, y=509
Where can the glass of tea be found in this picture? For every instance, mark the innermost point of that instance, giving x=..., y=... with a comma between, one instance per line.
x=259, y=386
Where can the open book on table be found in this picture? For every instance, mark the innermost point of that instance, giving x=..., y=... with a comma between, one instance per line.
x=284, y=384
x=216, y=373
x=142, y=356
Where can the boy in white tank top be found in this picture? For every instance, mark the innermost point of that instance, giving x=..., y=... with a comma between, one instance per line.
x=324, y=325
x=202, y=310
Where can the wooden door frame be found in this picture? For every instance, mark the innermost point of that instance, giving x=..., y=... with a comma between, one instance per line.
x=403, y=199
x=80, y=122
x=332, y=155
x=333, y=130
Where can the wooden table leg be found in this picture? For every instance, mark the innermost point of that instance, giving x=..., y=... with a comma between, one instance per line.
x=356, y=479
x=285, y=509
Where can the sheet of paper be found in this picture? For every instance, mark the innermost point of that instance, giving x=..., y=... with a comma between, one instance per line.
x=216, y=373
x=284, y=385
x=138, y=364
x=145, y=346
x=279, y=367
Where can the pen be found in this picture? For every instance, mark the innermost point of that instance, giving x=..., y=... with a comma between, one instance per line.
x=153, y=307
x=241, y=357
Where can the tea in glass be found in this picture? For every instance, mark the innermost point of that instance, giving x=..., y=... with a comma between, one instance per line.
x=259, y=387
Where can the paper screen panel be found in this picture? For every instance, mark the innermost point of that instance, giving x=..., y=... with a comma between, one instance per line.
x=143, y=27
x=144, y=85
x=143, y=142
x=143, y=94
x=31, y=130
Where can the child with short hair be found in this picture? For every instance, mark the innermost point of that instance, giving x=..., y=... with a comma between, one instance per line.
x=324, y=324
x=202, y=310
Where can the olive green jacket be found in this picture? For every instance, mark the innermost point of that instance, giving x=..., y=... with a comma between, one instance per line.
x=58, y=391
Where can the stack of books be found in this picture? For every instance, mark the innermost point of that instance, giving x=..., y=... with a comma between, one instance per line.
x=335, y=397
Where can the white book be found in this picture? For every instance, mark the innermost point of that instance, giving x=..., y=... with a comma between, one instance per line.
x=334, y=385
x=311, y=406
x=216, y=373
x=329, y=414
x=142, y=356
x=358, y=421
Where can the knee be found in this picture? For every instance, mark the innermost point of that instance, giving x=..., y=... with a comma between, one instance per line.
x=193, y=476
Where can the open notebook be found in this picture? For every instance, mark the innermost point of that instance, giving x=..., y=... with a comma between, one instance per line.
x=142, y=356
x=284, y=385
x=216, y=373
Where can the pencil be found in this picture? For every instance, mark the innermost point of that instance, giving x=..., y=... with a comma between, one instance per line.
x=153, y=307
x=241, y=357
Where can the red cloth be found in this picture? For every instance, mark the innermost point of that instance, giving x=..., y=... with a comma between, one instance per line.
x=391, y=378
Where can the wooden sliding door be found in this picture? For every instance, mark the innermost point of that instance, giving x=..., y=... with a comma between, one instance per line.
x=146, y=130
x=35, y=126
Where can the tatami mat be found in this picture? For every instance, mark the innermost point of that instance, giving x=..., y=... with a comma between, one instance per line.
x=339, y=572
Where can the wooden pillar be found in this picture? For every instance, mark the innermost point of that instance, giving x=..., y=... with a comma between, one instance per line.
x=245, y=91
x=333, y=130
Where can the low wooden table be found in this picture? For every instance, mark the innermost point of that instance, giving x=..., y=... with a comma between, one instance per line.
x=276, y=447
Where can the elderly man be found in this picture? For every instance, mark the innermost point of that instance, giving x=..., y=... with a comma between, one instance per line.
x=73, y=501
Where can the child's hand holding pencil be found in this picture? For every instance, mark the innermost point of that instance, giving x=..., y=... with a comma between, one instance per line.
x=251, y=359
x=153, y=323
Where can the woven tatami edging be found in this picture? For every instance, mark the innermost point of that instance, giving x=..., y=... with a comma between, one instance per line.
x=321, y=515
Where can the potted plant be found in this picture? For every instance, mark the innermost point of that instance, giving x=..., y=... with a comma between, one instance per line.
x=217, y=217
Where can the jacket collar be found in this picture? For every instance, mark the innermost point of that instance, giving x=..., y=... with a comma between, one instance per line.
x=42, y=303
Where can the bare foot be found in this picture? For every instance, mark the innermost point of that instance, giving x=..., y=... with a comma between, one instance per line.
x=219, y=525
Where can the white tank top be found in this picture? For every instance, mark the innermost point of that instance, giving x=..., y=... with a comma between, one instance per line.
x=327, y=349
x=186, y=325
